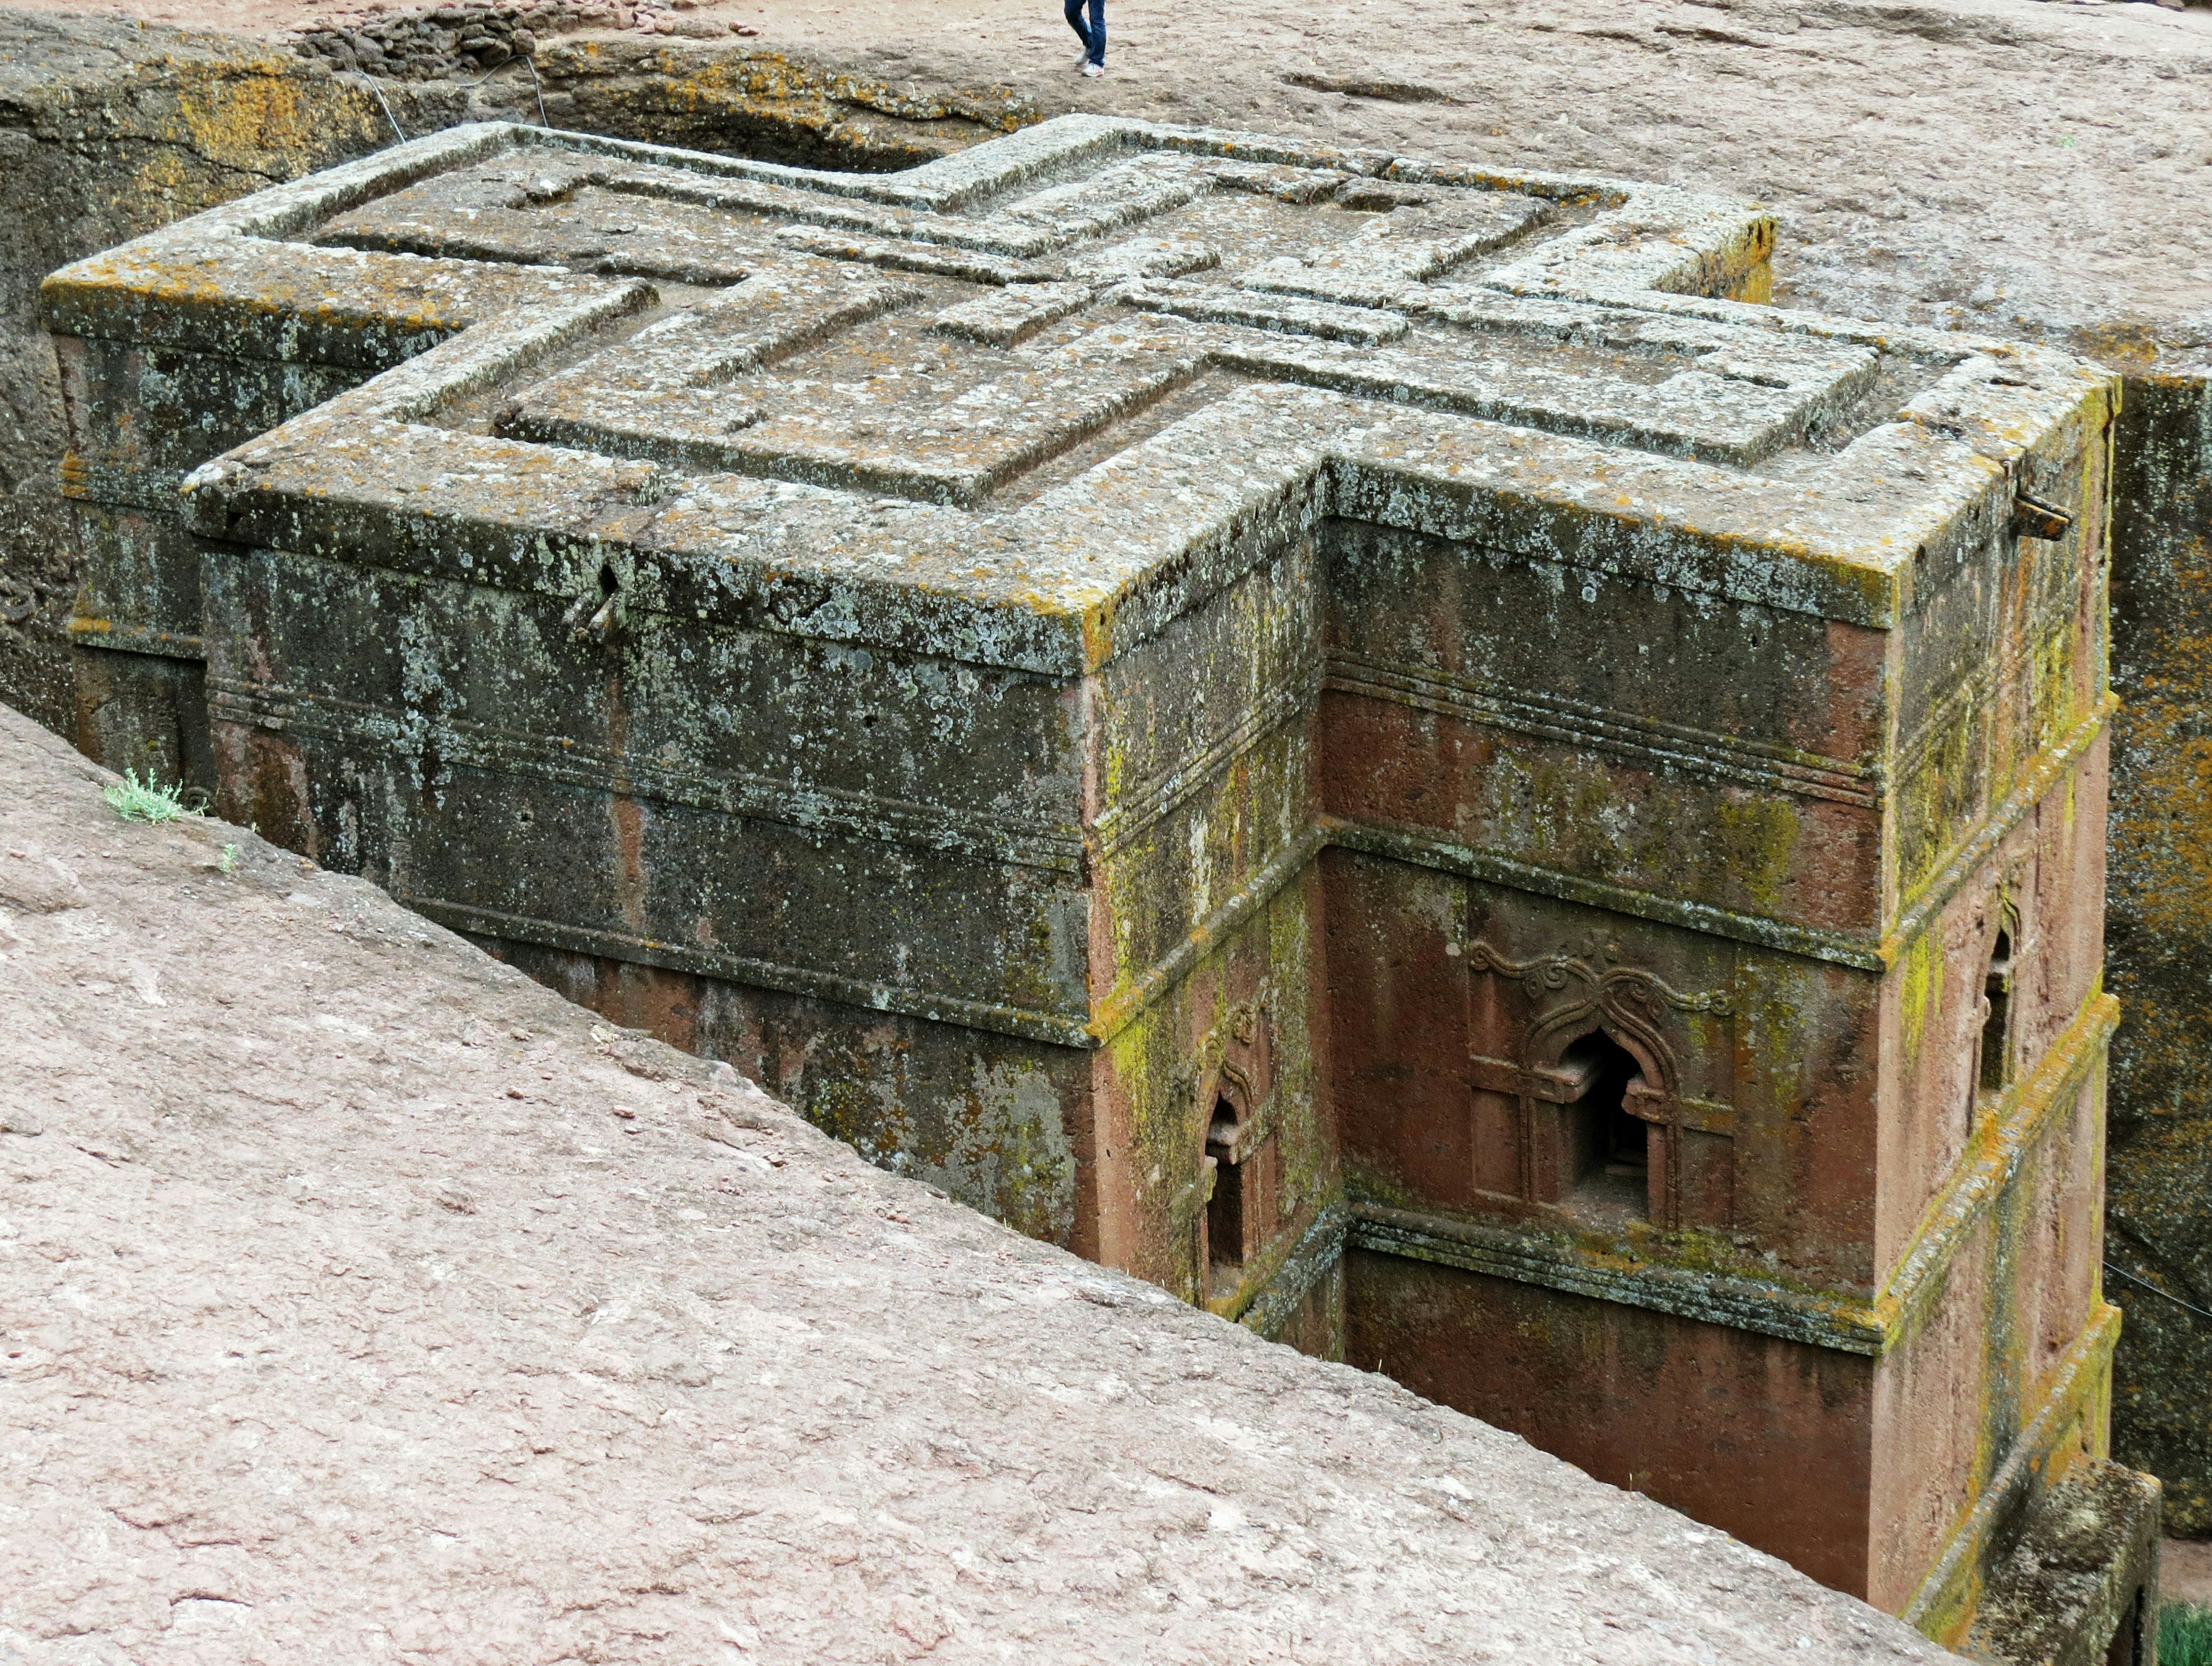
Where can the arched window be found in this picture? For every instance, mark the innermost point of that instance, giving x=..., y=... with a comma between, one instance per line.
x=1609, y=1145
x=1225, y=1210
x=1995, y=1070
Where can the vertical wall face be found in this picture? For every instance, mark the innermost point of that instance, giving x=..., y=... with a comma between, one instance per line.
x=1622, y=734
x=1765, y=1439
x=2159, y=1181
x=2003, y=663
x=1215, y=1155
x=141, y=418
x=1598, y=1081
x=464, y=750
x=569, y=799
x=150, y=396
x=1995, y=1034
x=1497, y=729
x=2013, y=1332
x=1546, y=1093
x=1535, y=1074
x=1998, y=1032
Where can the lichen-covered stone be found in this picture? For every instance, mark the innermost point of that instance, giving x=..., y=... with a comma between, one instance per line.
x=1377, y=744
x=2158, y=1177
x=111, y=128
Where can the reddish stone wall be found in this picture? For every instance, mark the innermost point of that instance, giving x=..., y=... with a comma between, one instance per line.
x=1768, y=1439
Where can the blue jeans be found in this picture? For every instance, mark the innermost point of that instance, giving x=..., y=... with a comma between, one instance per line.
x=1093, y=35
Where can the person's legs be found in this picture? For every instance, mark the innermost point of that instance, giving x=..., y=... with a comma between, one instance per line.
x=1097, y=41
x=1082, y=33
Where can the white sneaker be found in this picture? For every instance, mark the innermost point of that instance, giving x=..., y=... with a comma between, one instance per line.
x=1082, y=58
x=1093, y=69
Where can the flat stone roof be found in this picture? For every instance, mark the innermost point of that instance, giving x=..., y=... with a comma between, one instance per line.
x=365, y=1299
x=850, y=455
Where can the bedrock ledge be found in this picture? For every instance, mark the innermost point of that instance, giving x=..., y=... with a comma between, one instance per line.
x=364, y=1294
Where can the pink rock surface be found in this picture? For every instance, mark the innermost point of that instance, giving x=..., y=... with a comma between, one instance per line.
x=2184, y=1571
x=363, y=1300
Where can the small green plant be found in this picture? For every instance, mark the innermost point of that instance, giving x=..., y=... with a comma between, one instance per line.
x=135, y=800
x=2185, y=1635
x=229, y=863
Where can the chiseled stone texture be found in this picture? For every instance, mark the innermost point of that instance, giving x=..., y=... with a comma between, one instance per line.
x=1185, y=688
x=364, y=1300
x=110, y=128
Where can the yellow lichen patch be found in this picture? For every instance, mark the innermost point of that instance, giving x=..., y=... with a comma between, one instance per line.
x=1758, y=840
x=1920, y=991
x=250, y=122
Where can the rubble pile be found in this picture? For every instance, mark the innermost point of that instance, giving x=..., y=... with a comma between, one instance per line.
x=448, y=41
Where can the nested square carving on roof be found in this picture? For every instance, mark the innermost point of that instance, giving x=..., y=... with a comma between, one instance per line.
x=1030, y=378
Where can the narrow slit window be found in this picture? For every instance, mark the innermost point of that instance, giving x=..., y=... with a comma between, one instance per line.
x=1224, y=1210
x=1997, y=1023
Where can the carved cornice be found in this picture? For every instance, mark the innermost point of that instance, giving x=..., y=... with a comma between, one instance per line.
x=1549, y=973
x=1029, y=1023
x=1670, y=748
x=1736, y=1300
x=1425, y=849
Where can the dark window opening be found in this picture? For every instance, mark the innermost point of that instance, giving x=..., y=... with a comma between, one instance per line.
x=1224, y=1210
x=2126, y=1648
x=1996, y=1026
x=1609, y=1158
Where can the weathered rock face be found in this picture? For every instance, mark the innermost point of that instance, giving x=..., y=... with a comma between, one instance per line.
x=748, y=101
x=361, y=1297
x=1349, y=735
x=110, y=129
x=2158, y=1177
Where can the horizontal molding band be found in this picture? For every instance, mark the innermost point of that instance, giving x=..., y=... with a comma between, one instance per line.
x=1740, y=1304
x=1144, y=807
x=1317, y=1252
x=820, y=811
x=1670, y=748
x=1122, y=1006
x=811, y=811
x=1026, y=1022
x=1994, y=684
x=1426, y=850
x=848, y=816
x=1993, y=829
x=85, y=633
